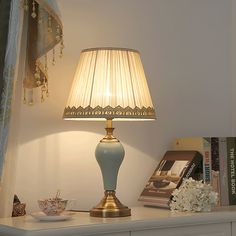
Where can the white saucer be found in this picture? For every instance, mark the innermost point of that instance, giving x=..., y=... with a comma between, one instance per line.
x=42, y=217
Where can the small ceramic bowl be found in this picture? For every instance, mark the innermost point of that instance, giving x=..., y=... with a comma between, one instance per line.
x=52, y=207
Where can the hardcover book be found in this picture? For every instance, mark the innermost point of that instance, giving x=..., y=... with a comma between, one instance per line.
x=168, y=176
x=224, y=189
x=215, y=166
x=231, y=162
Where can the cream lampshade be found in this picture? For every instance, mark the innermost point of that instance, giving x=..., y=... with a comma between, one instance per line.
x=109, y=84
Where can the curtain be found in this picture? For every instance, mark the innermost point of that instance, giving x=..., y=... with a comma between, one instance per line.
x=10, y=56
x=4, y=24
x=5, y=7
x=44, y=33
x=29, y=29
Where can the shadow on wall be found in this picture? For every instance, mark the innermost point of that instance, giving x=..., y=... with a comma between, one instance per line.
x=66, y=161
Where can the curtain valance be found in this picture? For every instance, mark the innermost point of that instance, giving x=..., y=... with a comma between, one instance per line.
x=44, y=33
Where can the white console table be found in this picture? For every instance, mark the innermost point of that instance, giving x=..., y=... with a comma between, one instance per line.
x=143, y=222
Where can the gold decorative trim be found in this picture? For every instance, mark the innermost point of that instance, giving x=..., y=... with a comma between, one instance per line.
x=110, y=48
x=109, y=112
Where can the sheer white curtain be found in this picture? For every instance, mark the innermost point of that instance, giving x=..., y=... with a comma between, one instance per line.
x=9, y=126
x=21, y=44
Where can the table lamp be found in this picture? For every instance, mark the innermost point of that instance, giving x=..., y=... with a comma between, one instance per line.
x=109, y=84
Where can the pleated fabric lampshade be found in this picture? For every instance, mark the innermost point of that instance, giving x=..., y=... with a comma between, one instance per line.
x=109, y=83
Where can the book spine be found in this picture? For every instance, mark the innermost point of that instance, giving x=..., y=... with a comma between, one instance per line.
x=215, y=166
x=207, y=160
x=215, y=161
x=224, y=189
x=231, y=170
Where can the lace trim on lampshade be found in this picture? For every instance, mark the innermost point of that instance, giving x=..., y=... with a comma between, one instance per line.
x=109, y=112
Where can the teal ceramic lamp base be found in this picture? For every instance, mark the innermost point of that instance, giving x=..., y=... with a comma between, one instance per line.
x=110, y=154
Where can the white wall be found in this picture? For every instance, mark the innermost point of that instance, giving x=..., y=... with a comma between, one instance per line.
x=186, y=51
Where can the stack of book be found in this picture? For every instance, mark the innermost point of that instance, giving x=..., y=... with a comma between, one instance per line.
x=219, y=163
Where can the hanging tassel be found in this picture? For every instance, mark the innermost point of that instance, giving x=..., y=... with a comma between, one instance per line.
x=46, y=63
x=53, y=57
x=46, y=87
x=58, y=33
x=33, y=14
x=31, y=97
x=61, y=47
x=49, y=24
x=43, y=91
x=24, y=99
x=37, y=75
x=46, y=74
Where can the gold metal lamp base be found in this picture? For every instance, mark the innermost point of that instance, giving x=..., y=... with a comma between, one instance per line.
x=110, y=206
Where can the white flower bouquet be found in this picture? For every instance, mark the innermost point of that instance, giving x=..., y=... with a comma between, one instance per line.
x=193, y=196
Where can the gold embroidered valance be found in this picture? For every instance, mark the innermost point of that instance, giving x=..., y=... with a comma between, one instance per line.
x=43, y=34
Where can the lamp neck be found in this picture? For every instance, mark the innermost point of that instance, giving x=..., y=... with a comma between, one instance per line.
x=109, y=135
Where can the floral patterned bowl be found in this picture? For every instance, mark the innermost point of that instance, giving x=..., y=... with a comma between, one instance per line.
x=52, y=206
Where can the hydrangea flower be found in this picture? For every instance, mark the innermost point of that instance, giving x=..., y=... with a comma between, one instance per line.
x=193, y=196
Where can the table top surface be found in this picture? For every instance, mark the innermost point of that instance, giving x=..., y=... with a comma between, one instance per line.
x=142, y=217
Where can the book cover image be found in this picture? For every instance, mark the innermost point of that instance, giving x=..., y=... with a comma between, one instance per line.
x=169, y=174
x=165, y=178
x=201, y=144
